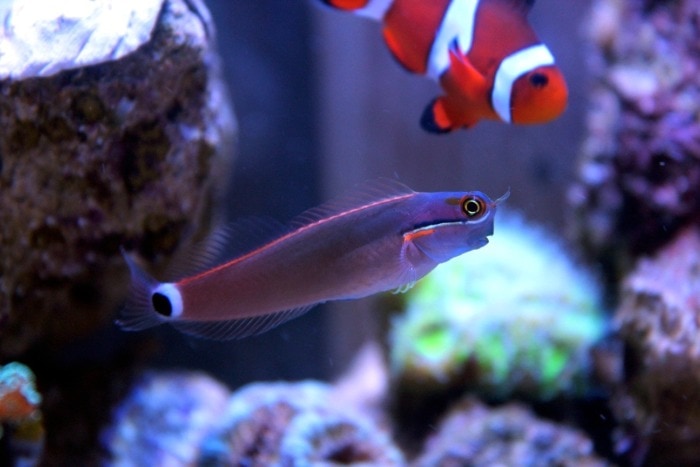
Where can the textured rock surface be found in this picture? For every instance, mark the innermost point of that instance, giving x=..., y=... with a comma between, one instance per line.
x=476, y=435
x=658, y=400
x=129, y=152
x=40, y=38
x=639, y=176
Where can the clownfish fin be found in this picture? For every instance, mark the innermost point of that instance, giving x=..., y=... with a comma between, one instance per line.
x=435, y=118
x=523, y=5
x=348, y=5
x=374, y=9
x=464, y=72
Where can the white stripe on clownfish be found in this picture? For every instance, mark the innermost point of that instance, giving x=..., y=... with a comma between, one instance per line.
x=458, y=23
x=510, y=69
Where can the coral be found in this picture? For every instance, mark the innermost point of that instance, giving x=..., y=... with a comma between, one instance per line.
x=658, y=399
x=19, y=399
x=516, y=317
x=20, y=414
x=128, y=152
x=163, y=420
x=296, y=424
x=476, y=435
x=639, y=175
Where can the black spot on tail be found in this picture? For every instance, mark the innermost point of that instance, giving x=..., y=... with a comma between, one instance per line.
x=427, y=120
x=162, y=304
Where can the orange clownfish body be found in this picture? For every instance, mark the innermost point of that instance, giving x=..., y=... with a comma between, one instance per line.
x=486, y=57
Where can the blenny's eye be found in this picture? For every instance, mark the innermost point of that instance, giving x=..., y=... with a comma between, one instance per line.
x=473, y=207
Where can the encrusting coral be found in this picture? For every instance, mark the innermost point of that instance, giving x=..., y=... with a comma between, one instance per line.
x=517, y=317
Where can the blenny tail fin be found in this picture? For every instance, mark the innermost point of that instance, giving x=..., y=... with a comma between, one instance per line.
x=139, y=313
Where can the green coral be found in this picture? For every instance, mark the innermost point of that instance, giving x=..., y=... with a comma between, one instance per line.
x=517, y=316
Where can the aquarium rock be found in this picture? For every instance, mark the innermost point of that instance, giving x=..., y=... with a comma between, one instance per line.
x=42, y=38
x=164, y=419
x=515, y=318
x=639, y=171
x=476, y=435
x=657, y=400
x=290, y=424
x=128, y=145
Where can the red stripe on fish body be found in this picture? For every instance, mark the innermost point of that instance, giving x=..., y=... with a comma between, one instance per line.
x=286, y=274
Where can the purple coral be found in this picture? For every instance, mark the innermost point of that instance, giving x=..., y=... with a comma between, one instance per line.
x=163, y=420
x=296, y=424
x=658, y=400
x=639, y=178
x=476, y=435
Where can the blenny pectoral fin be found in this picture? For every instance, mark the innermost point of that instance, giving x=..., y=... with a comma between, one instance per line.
x=239, y=328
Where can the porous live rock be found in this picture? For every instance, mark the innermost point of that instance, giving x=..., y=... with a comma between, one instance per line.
x=476, y=435
x=129, y=151
x=657, y=399
x=639, y=174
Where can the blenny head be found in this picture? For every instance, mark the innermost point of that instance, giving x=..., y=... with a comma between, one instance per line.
x=451, y=224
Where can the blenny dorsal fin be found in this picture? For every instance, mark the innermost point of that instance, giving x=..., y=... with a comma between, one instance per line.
x=363, y=194
x=226, y=242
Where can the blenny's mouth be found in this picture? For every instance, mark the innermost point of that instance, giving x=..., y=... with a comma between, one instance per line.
x=438, y=224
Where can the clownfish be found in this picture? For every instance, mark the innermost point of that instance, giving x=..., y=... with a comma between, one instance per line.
x=486, y=57
x=384, y=237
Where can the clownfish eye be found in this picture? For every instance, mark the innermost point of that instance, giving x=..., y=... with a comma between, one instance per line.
x=539, y=80
x=473, y=207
